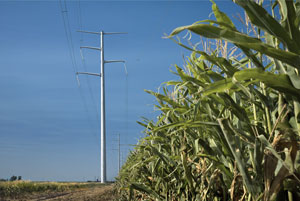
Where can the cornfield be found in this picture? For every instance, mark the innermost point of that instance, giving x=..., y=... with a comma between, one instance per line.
x=229, y=128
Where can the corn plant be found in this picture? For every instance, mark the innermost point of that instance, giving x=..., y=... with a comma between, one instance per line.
x=229, y=128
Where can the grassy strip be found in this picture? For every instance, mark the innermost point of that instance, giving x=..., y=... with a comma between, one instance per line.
x=17, y=188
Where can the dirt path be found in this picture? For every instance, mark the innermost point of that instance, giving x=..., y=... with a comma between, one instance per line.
x=96, y=193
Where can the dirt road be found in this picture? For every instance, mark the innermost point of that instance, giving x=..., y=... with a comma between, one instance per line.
x=96, y=193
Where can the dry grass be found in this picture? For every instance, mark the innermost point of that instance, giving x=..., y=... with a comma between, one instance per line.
x=27, y=190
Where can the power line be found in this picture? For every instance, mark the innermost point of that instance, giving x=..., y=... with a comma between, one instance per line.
x=68, y=33
x=84, y=64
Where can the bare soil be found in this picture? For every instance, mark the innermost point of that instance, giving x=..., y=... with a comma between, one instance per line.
x=95, y=193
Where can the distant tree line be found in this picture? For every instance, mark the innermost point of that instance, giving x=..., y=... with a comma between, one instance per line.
x=13, y=178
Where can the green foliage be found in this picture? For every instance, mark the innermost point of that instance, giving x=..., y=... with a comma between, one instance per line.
x=229, y=129
x=13, y=178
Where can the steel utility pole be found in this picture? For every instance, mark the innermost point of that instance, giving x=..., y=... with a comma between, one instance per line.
x=102, y=99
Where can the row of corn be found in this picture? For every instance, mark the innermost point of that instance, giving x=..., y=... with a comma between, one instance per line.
x=229, y=128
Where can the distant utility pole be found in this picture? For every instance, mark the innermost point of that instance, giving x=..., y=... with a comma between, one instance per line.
x=120, y=154
x=119, y=150
x=102, y=124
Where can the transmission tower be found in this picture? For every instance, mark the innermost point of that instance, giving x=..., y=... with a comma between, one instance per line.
x=102, y=96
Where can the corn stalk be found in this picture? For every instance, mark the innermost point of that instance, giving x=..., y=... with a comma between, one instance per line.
x=226, y=131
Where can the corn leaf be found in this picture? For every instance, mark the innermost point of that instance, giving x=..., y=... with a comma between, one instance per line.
x=243, y=40
x=280, y=82
x=261, y=18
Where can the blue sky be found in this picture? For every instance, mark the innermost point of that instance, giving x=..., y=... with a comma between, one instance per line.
x=49, y=128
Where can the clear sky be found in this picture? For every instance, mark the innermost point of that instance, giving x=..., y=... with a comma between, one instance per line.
x=49, y=127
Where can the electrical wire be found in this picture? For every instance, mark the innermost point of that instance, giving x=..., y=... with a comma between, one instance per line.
x=90, y=89
x=68, y=36
x=68, y=33
x=86, y=77
x=84, y=65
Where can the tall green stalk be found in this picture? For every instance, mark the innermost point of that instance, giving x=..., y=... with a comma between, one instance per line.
x=226, y=131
